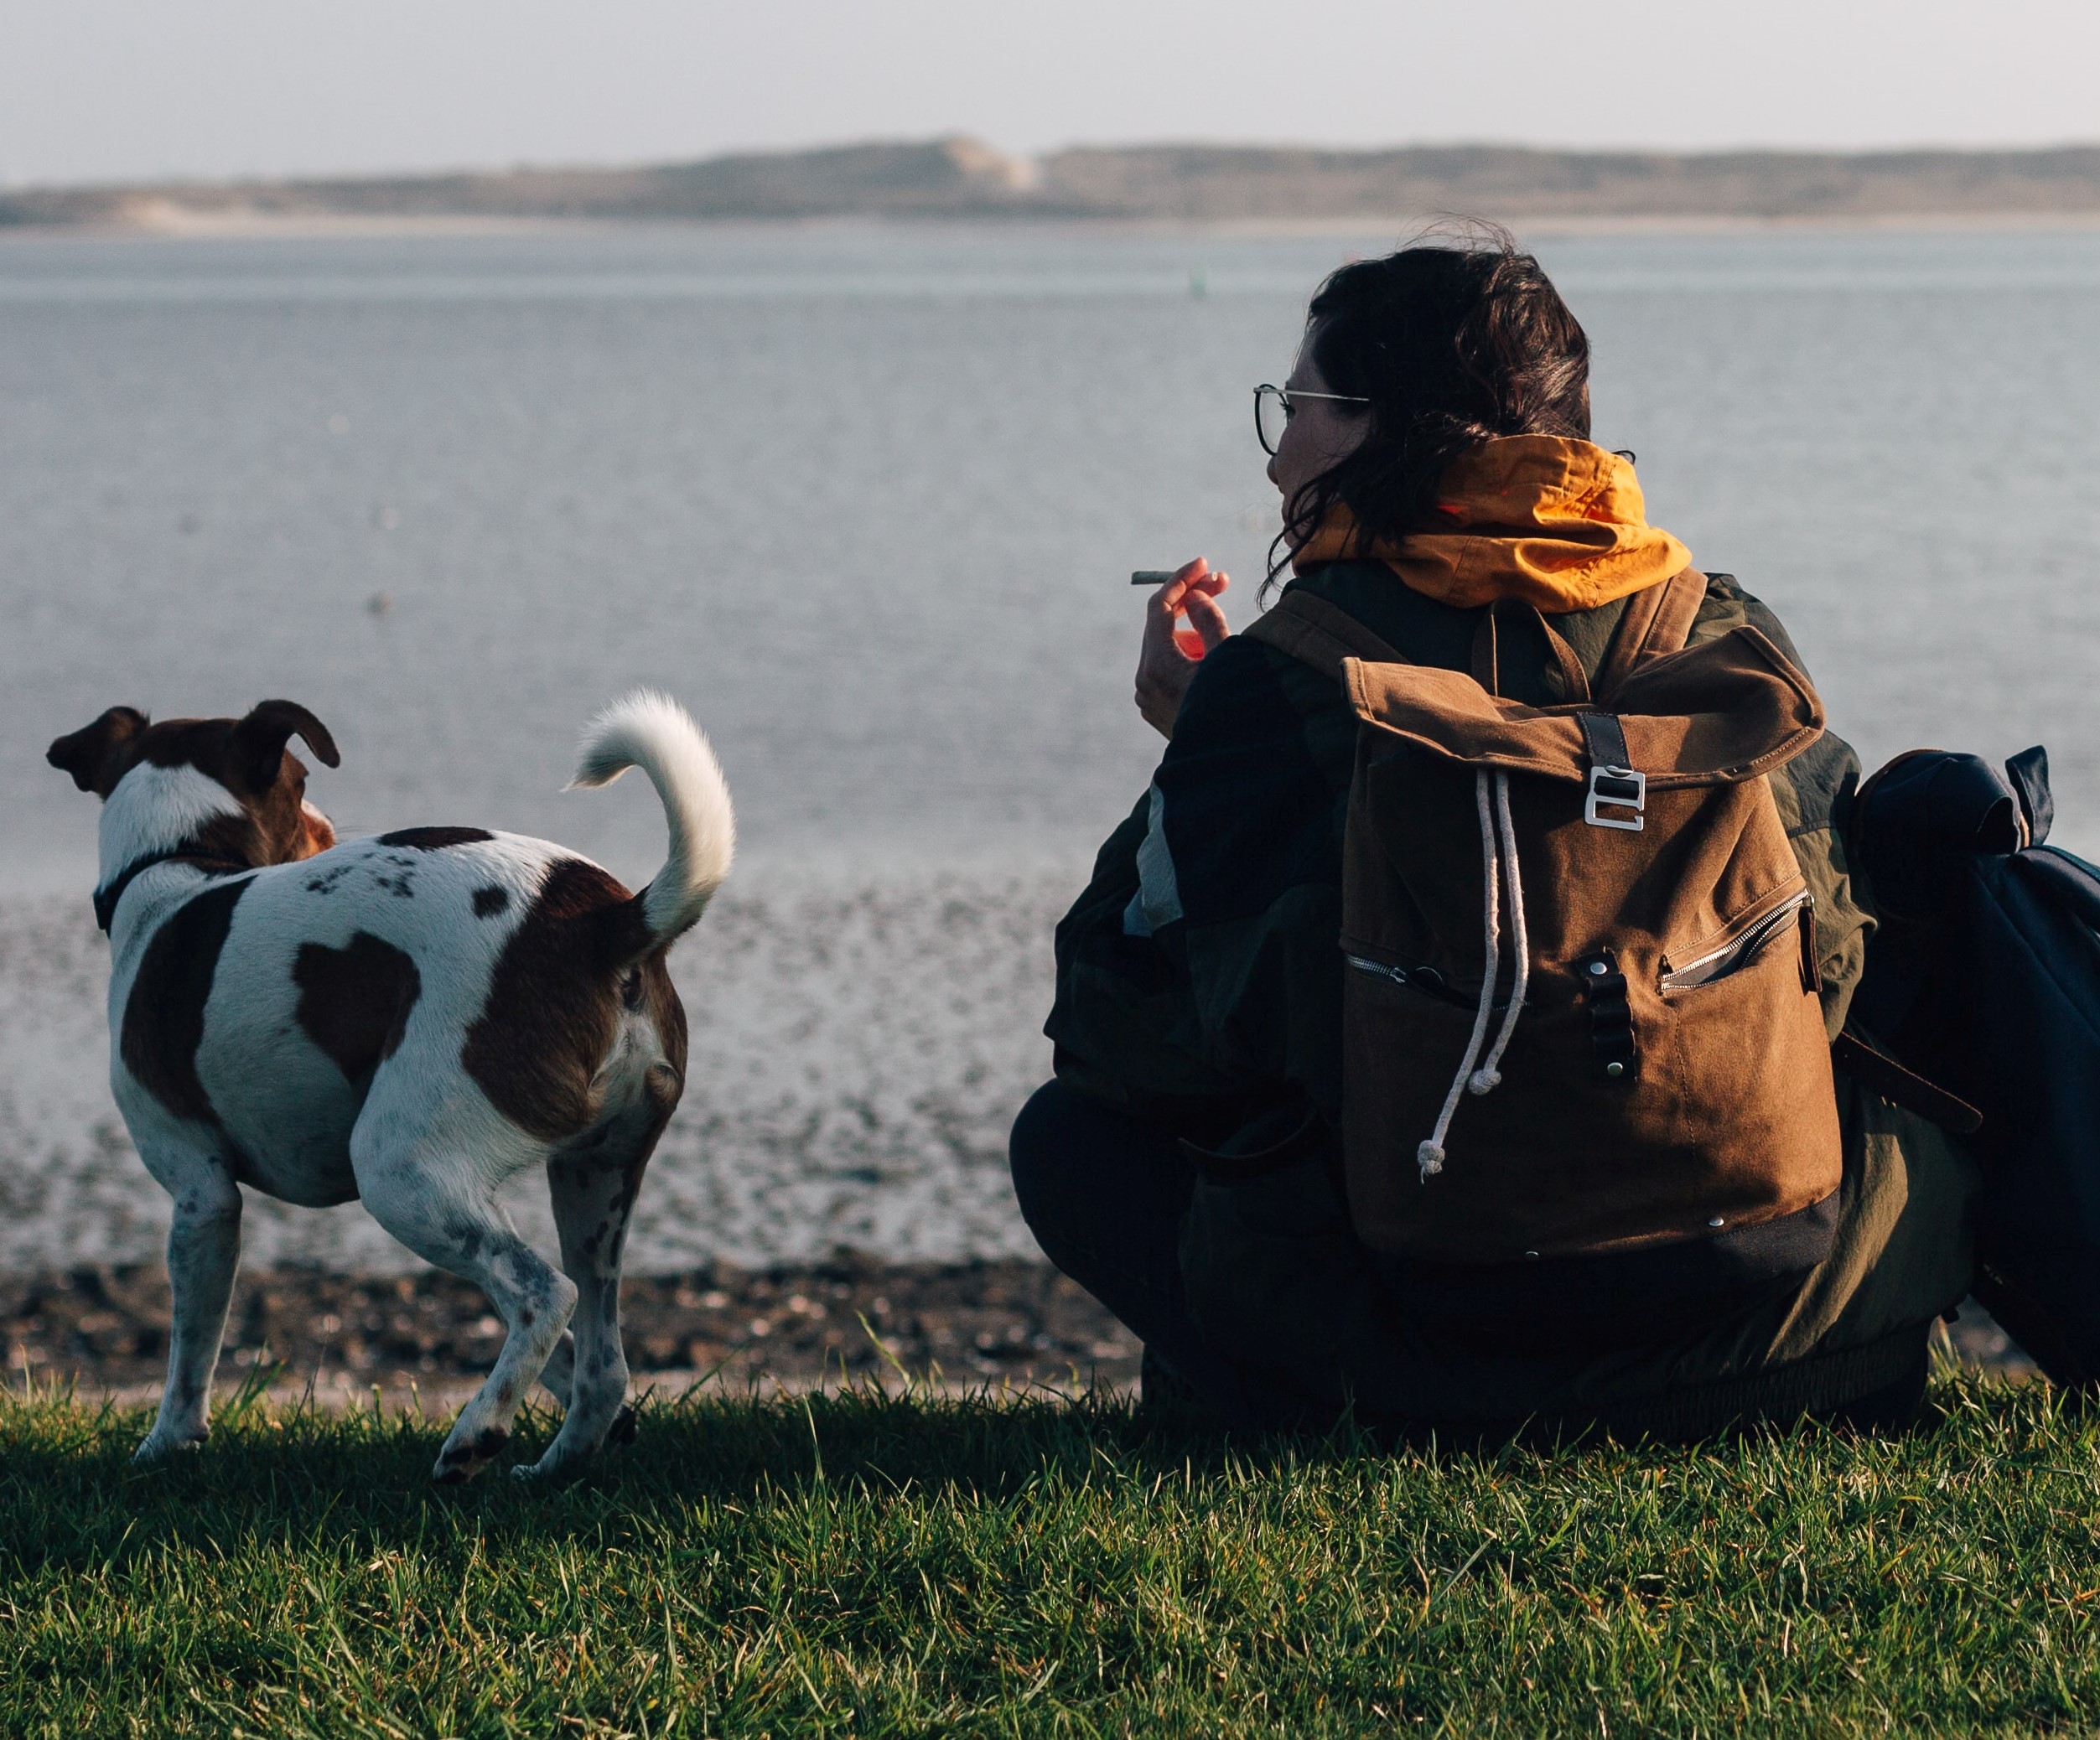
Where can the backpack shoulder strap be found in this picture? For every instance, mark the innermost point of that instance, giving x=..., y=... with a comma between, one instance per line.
x=1902, y=1087
x=1319, y=633
x=1657, y=621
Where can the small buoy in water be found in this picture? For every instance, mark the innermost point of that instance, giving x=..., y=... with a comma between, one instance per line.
x=339, y=424
x=380, y=602
x=386, y=519
x=190, y=525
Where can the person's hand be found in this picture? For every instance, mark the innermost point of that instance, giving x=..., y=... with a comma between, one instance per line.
x=1167, y=661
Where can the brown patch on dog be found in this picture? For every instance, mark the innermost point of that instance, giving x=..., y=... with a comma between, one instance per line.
x=164, y=1015
x=554, y=1001
x=229, y=839
x=435, y=839
x=457, y=1466
x=246, y=755
x=320, y=832
x=355, y=1002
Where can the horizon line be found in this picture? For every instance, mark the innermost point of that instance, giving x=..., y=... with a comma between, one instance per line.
x=15, y=185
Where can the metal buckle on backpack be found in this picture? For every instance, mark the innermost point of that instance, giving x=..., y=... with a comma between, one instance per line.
x=1622, y=788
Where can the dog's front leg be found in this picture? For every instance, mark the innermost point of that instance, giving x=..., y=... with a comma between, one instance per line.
x=204, y=1249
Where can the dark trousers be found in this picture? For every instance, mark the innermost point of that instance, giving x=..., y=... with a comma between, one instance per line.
x=1104, y=1193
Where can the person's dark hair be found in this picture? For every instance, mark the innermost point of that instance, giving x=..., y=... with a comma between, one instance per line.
x=1452, y=343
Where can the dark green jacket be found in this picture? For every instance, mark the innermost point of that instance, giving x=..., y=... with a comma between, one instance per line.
x=1199, y=984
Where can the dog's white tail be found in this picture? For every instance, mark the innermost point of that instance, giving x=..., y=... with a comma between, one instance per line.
x=653, y=733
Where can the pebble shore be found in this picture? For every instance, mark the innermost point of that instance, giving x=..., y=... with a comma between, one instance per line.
x=1005, y=1322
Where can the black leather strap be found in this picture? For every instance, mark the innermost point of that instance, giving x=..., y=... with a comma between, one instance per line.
x=1613, y=1047
x=1606, y=738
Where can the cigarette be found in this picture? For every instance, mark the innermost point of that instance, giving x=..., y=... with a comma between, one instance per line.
x=1152, y=576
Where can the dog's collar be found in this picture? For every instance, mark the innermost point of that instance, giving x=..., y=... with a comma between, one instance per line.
x=106, y=898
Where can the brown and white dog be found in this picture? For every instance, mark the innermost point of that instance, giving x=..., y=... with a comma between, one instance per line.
x=409, y=1019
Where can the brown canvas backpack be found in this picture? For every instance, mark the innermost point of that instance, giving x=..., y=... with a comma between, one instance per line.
x=1581, y=1015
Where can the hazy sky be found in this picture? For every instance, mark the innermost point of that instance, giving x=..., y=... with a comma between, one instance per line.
x=116, y=89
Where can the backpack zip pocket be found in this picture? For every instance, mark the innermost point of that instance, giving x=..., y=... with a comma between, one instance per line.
x=1423, y=981
x=1738, y=951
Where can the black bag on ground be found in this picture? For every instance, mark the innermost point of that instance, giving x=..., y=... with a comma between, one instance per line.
x=1984, y=978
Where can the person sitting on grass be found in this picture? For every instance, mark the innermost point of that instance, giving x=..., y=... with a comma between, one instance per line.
x=1186, y=1165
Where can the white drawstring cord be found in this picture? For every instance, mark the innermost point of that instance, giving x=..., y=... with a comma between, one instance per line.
x=1498, y=863
x=1489, y=1076
x=1429, y=1155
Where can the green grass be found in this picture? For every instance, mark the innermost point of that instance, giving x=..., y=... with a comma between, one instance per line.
x=860, y=1565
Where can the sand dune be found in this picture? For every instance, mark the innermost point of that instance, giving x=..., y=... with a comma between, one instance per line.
x=962, y=178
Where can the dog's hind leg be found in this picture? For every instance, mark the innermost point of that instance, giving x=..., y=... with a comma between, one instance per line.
x=561, y=1364
x=204, y=1249
x=593, y=1185
x=440, y=1206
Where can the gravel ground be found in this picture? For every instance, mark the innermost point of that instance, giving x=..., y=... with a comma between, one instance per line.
x=1007, y=1320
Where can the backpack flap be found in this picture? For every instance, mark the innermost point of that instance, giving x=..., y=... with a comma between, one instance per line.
x=1728, y=709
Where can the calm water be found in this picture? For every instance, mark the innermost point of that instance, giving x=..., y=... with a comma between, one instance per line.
x=865, y=499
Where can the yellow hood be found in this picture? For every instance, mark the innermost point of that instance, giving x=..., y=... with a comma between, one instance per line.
x=1557, y=522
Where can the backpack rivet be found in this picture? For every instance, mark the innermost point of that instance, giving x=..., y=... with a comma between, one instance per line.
x=1530, y=1256
x=1614, y=1070
x=1717, y=1220
x=1599, y=968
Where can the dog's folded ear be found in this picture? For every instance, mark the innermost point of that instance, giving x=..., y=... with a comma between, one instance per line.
x=259, y=741
x=94, y=753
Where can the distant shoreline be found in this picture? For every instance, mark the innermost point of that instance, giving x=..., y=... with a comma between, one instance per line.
x=1206, y=187
x=287, y=227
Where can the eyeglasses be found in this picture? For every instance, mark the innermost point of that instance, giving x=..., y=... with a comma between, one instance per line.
x=1274, y=408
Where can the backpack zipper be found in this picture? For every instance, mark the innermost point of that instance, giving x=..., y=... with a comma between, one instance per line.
x=1378, y=969
x=1423, y=981
x=1737, y=953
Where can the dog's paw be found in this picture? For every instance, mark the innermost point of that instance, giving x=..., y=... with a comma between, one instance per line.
x=160, y=1446
x=561, y=1460
x=459, y=1463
